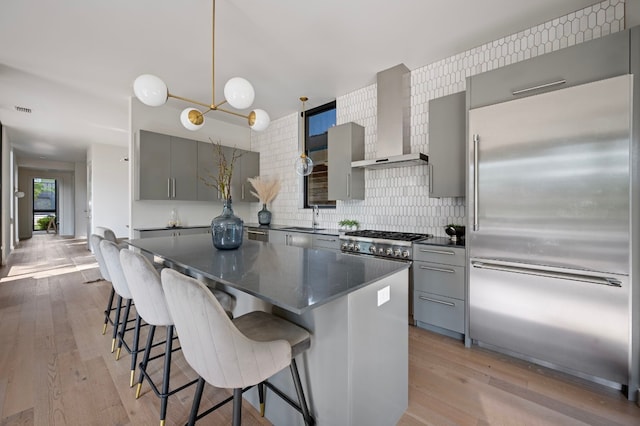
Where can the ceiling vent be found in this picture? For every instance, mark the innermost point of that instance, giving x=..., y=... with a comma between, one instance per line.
x=23, y=109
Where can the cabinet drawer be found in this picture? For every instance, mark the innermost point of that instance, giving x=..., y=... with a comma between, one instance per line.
x=331, y=242
x=440, y=311
x=439, y=254
x=446, y=280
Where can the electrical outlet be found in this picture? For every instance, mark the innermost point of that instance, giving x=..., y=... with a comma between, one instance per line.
x=384, y=294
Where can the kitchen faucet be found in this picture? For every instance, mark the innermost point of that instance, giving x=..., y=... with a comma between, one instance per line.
x=315, y=219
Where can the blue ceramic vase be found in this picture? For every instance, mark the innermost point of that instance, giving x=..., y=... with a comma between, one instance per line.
x=227, y=229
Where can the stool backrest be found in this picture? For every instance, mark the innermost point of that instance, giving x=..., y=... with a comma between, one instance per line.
x=145, y=287
x=211, y=343
x=106, y=233
x=111, y=254
x=95, y=240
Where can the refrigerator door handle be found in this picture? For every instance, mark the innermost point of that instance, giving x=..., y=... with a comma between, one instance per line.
x=476, y=139
x=608, y=281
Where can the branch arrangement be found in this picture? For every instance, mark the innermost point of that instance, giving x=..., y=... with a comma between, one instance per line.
x=265, y=189
x=222, y=180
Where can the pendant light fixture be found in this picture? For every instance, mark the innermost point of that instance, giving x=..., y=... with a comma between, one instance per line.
x=238, y=93
x=303, y=165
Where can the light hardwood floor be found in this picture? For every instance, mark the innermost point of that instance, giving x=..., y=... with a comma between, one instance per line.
x=56, y=368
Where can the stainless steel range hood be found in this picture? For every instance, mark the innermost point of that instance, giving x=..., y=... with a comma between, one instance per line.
x=393, y=147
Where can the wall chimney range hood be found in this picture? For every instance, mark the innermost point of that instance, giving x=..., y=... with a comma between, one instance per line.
x=393, y=147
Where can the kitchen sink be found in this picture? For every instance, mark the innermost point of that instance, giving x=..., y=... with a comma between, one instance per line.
x=301, y=228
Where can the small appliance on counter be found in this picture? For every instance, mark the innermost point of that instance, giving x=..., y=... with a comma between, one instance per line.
x=455, y=232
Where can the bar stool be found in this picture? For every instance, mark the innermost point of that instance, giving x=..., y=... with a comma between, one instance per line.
x=235, y=354
x=145, y=286
x=95, y=239
x=111, y=254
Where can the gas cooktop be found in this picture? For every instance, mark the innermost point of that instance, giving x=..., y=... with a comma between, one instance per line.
x=386, y=235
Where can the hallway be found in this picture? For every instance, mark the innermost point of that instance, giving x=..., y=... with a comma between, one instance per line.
x=56, y=367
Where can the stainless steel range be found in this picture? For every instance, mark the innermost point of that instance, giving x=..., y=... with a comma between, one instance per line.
x=395, y=245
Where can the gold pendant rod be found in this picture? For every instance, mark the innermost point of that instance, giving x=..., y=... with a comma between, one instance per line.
x=213, y=61
x=233, y=113
x=190, y=100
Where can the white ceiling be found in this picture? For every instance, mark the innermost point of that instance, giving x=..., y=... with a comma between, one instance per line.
x=73, y=62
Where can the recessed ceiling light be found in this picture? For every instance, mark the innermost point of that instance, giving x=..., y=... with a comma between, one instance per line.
x=23, y=109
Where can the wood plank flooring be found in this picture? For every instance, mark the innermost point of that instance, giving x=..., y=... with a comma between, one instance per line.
x=56, y=368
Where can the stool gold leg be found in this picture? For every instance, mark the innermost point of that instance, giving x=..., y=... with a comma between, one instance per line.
x=104, y=329
x=118, y=354
x=113, y=345
x=133, y=372
x=138, y=389
x=161, y=422
x=262, y=409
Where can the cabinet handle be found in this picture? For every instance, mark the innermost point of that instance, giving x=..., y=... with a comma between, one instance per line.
x=173, y=187
x=348, y=185
x=331, y=240
x=450, y=253
x=437, y=301
x=242, y=193
x=256, y=232
x=476, y=143
x=168, y=187
x=430, y=179
x=430, y=268
x=541, y=86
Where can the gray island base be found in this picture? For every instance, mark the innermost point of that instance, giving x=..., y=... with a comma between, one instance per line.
x=356, y=308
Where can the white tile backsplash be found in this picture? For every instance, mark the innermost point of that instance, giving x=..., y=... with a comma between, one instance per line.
x=398, y=199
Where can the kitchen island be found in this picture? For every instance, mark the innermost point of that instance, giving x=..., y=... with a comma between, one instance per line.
x=356, y=371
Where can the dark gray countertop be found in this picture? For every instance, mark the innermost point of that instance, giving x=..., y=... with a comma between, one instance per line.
x=166, y=228
x=442, y=241
x=293, y=278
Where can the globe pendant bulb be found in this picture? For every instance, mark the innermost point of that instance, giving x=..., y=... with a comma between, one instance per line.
x=150, y=90
x=304, y=165
x=192, y=119
x=239, y=93
x=259, y=120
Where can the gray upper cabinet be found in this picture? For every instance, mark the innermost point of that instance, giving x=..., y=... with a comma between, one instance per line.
x=166, y=169
x=345, y=144
x=247, y=166
x=583, y=63
x=447, y=135
x=207, y=166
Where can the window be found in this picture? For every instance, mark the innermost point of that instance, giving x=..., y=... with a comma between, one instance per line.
x=44, y=202
x=318, y=122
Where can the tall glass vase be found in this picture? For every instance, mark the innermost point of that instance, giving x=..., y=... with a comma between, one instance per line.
x=264, y=216
x=226, y=229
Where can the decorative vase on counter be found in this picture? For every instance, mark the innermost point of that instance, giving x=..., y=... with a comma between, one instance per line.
x=264, y=216
x=226, y=229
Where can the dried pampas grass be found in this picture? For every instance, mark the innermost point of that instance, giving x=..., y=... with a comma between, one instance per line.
x=265, y=189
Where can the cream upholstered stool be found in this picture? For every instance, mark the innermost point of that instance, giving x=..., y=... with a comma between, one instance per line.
x=233, y=354
x=111, y=254
x=95, y=240
x=145, y=286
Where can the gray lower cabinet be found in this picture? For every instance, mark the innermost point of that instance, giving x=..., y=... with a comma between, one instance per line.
x=330, y=242
x=288, y=238
x=345, y=144
x=447, y=136
x=594, y=60
x=166, y=167
x=151, y=233
x=438, y=284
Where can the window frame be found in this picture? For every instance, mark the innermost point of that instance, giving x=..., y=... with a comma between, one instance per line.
x=307, y=115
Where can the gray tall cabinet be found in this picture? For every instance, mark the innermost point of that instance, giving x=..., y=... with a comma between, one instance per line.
x=345, y=144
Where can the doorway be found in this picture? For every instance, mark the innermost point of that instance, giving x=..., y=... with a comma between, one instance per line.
x=45, y=204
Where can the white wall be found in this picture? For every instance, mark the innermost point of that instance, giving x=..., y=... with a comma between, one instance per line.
x=165, y=120
x=6, y=194
x=398, y=199
x=80, y=174
x=109, y=188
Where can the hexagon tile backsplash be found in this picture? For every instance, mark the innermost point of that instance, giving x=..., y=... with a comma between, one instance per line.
x=397, y=199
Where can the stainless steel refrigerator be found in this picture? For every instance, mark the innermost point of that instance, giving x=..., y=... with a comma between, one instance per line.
x=549, y=244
